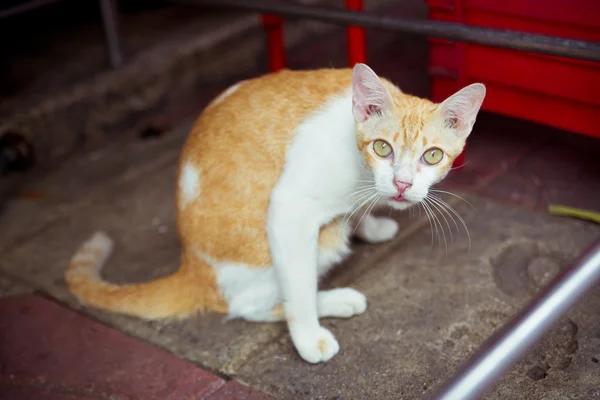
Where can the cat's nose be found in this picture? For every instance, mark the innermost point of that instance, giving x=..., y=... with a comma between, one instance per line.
x=402, y=186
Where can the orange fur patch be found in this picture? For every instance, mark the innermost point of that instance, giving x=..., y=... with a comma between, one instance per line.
x=278, y=311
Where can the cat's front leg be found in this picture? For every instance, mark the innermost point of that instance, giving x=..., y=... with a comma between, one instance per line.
x=293, y=240
x=374, y=229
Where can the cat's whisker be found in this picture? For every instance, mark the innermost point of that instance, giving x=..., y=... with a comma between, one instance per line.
x=452, y=194
x=460, y=166
x=434, y=209
x=347, y=218
x=360, y=190
x=443, y=207
x=364, y=185
x=431, y=227
x=419, y=210
x=361, y=196
x=367, y=211
x=460, y=218
x=362, y=180
x=442, y=212
x=410, y=213
x=375, y=204
x=413, y=212
x=435, y=224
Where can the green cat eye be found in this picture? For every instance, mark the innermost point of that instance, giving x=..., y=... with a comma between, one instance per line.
x=382, y=148
x=433, y=156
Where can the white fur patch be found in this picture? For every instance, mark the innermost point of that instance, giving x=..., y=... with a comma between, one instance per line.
x=189, y=184
x=377, y=229
x=96, y=250
x=251, y=292
x=248, y=291
x=341, y=303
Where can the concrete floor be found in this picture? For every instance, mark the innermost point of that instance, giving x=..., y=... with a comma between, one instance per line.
x=429, y=307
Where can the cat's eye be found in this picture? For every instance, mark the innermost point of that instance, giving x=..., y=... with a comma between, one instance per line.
x=433, y=156
x=382, y=148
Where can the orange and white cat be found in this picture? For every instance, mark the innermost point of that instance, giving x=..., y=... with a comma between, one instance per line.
x=276, y=175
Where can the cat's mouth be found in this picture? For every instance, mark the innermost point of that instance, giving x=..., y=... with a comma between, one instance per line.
x=400, y=198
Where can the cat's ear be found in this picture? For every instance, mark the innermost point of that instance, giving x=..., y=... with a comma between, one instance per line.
x=460, y=110
x=369, y=95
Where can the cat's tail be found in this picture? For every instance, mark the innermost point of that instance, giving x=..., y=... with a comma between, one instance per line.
x=175, y=295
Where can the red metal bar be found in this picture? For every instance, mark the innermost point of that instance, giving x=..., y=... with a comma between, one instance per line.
x=462, y=49
x=357, y=44
x=273, y=25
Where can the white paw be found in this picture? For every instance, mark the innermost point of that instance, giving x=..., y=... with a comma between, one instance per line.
x=315, y=345
x=377, y=229
x=341, y=303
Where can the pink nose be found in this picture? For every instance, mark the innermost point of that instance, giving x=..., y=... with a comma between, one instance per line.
x=402, y=186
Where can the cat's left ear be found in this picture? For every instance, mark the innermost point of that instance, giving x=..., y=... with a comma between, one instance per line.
x=460, y=110
x=369, y=95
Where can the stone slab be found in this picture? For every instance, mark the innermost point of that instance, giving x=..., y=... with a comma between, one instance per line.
x=235, y=390
x=50, y=352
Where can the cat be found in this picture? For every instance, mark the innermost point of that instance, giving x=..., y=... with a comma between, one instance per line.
x=277, y=174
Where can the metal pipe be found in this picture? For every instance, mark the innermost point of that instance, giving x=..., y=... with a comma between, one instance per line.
x=25, y=7
x=112, y=32
x=505, y=348
x=516, y=40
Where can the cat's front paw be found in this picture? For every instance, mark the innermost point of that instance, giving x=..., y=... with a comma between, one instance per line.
x=377, y=229
x=341, y=303
x=315, y=345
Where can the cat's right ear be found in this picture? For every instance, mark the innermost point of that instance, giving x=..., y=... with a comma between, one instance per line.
x=460, y=110
x=369, y=95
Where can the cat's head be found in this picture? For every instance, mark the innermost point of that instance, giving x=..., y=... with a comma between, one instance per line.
x=409, y=143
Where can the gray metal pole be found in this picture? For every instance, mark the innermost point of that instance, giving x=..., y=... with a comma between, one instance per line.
x=24, y=7
x=112, y=32
x=557, y=46
x=505, y=348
